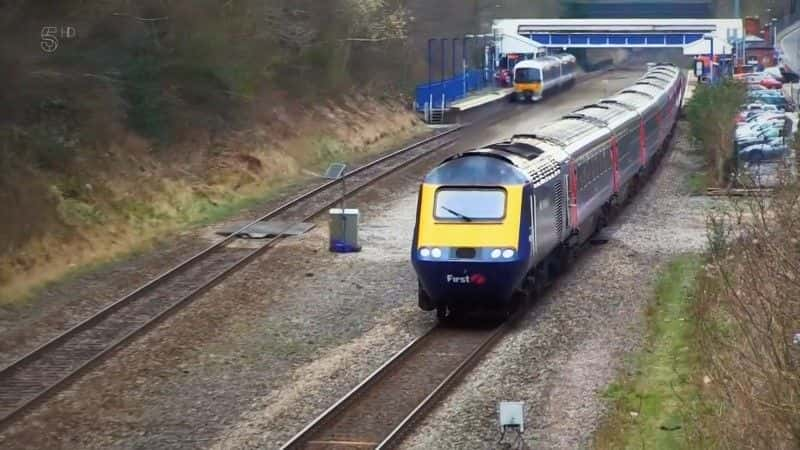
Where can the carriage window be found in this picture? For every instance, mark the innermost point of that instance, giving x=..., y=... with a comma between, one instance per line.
x=467, y=204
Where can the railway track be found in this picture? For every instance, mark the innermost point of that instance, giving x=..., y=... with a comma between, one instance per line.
x=378, y=412
x=32, y=377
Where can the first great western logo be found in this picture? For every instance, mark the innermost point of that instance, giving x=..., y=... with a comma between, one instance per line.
x=476, y=279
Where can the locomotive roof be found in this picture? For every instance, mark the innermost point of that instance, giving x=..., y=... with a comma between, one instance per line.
x=538, y=63
x=605, y=114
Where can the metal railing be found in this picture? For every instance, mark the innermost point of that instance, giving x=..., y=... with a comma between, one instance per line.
x=440, y=94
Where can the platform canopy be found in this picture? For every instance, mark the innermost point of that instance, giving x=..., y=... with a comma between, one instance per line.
x=614, y=33
x=703, y=47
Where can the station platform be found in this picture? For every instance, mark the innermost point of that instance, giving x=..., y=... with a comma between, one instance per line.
x=480, y=98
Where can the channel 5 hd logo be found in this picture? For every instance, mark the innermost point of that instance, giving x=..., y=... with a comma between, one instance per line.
x=52, y=36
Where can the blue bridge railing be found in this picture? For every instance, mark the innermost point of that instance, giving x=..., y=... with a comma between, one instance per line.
x=440, y=94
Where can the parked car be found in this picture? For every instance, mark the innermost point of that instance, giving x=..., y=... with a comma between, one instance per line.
x=766, y=93
x=775, y=72
x=766, y=117
x=747, y=129
x=762, y=152
x=779, y=102
x=744, y=143
x=751, y=109
x=772, y=119
x=771, y=83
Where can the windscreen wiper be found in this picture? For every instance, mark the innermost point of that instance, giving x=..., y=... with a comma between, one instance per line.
x=456, y=213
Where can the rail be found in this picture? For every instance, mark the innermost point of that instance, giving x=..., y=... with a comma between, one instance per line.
x=380, y=410
x=39, y=373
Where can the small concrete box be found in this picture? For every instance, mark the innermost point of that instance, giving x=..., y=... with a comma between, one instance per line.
x=344, y=230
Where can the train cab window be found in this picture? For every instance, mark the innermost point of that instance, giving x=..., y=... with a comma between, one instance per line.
x=528, y=75
x=468, y=204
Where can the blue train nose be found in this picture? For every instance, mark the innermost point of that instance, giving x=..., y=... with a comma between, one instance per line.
x=457, y=282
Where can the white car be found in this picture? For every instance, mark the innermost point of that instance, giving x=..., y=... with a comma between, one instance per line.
x=774, y=72
x=760, y=128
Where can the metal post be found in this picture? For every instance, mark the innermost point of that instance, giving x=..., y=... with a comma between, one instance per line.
x=453, y=57
x=443, y=55
x=712, y=60
x=344, y=193
x=775, y=37
x=484, y=57
x=430, y=62
x=464, y=61
x=737, y=9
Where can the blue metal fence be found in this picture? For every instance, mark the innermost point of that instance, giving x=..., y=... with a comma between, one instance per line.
x=440, y=94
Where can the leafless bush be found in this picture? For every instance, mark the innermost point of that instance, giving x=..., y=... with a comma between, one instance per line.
x=748, y=310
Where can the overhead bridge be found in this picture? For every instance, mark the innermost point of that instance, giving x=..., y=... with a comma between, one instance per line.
x=523, y=35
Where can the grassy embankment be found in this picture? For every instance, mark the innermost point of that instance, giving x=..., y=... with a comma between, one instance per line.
x=654, y=405
x=721, y=364
x=157, y=116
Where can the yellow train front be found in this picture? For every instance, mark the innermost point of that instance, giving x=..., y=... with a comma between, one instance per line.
x=471, y=245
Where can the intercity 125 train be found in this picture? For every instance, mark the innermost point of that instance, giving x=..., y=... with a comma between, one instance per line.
x=533, y=78
x=499, y=222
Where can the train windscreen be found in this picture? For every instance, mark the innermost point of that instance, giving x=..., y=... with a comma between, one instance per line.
x=527, y=75
x=468, y=204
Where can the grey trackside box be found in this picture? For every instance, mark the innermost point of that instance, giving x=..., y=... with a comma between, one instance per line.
x=344, y=230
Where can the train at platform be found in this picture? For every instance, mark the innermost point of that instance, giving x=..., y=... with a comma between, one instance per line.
x=533, y=78
x=496, y=224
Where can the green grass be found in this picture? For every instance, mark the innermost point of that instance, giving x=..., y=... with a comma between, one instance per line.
x=655, y=404
x=697, y=182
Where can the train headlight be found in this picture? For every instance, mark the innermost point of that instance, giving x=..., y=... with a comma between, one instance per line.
x=436, y=253
x=424, y=252
x=508, y=253
x=496, y=253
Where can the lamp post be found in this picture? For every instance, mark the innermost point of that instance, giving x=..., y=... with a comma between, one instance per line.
x=774, y=22
x=430, y=61
x=464, y=60
x=453, y=57
x=443, y=41
x=710, y=37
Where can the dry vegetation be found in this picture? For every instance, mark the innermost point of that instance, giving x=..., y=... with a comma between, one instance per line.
x=157, y=114
x=748, y=321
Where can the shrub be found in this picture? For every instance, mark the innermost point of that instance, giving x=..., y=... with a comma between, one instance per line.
x=748, y=315
x=711, y=113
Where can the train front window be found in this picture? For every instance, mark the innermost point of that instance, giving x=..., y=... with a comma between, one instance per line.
x=527, y=76
x=468, y=204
